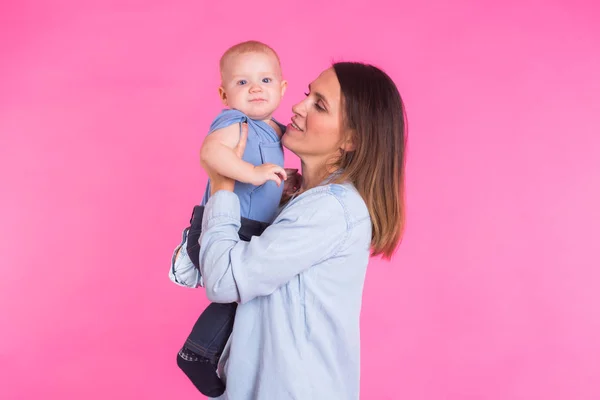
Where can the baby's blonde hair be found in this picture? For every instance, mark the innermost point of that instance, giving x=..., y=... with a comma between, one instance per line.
x=250, y=46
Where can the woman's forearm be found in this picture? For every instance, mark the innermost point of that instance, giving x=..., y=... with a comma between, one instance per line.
x=226, y=185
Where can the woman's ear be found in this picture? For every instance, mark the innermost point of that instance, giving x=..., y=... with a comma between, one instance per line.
x=348, y=143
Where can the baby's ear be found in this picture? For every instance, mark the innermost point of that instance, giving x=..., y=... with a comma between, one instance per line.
x=283, y=87
x=223, y=95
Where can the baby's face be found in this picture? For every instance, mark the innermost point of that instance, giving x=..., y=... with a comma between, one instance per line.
x=252, y=84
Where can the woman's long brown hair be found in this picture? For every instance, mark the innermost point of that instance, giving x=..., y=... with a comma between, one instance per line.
x=374, y=116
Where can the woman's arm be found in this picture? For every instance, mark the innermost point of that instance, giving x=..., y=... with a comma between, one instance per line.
x=309, y=230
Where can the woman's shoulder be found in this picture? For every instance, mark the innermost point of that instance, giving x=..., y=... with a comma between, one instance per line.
x=351, y=200
x=334, y=198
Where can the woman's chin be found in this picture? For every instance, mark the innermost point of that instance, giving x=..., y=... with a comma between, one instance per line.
x=288, y=142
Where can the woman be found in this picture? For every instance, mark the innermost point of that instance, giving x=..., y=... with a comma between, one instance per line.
x=299, y=285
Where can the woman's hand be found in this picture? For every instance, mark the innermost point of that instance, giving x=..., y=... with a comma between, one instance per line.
x=218, y=181
x=291, y=185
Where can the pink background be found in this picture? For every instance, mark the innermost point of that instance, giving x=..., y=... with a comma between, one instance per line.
x=494, y=293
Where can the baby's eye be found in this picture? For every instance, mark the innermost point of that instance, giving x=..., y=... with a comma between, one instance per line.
x=266, y=80
x=242, y=82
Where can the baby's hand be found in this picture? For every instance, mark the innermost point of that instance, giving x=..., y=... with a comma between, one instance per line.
x=267, y=172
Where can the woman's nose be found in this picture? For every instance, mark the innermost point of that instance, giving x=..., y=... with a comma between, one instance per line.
x=299, y=109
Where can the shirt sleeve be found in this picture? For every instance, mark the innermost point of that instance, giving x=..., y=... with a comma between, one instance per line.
x=308, y=231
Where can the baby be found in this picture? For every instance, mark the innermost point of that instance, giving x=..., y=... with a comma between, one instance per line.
x=251, y=88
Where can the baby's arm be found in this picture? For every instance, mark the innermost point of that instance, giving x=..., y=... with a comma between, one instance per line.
x=217, y=152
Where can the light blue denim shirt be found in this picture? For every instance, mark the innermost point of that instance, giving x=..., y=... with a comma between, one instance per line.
x=299, y=285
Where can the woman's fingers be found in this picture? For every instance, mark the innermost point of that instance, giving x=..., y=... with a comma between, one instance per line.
x=241, y=146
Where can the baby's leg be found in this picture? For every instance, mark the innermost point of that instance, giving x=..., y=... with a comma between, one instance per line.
x=184, y=269
x=195, y=230
x=199, y=356
x=183, y=272
x=201, y=372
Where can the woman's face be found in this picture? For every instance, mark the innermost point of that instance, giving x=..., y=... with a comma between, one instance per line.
x=315, y=132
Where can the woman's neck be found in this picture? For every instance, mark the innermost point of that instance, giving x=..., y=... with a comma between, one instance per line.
x=313, y=175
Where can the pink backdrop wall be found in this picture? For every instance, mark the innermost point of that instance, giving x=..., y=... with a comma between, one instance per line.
x=103, y=105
